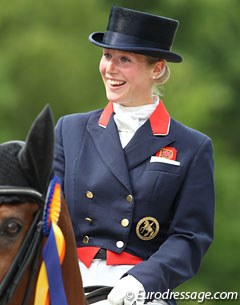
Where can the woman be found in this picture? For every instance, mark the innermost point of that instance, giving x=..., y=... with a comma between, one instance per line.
x=139, y=185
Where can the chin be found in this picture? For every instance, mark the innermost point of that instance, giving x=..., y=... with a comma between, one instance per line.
x=118, y=99
x=114, y=98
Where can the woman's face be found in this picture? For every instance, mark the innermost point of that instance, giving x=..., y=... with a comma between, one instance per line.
x=127, y=77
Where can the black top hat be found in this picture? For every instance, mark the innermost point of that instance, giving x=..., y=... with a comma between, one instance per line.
x=138, y=32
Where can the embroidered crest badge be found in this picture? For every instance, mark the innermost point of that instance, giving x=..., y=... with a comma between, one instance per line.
x=147, y=228
x=167, y=153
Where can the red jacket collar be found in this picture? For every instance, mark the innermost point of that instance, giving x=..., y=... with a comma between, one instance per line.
x=159, y=119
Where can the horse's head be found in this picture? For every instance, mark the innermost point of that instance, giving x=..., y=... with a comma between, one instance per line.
x=35, y=223
x=25, y=172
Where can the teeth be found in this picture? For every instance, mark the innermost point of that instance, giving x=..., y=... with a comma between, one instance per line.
x=116, y=82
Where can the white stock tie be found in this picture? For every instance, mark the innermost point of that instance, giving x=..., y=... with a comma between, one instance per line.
x=129, y=119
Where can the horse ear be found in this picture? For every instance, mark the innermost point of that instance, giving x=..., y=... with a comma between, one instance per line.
x=36, y=156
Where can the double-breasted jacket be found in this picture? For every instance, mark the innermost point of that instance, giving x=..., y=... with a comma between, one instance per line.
x=154, y=199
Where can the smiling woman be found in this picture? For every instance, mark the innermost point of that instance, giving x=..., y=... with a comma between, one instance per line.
x=129, y=77
x=139, y=185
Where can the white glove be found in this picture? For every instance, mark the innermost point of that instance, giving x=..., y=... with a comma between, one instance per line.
x=127, y=291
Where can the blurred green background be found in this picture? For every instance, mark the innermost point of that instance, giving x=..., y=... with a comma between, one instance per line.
x=45, y=57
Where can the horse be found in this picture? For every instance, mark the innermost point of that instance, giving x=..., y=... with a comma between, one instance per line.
x=37, y=243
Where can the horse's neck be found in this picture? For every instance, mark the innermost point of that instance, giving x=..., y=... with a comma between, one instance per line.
x=70, y=268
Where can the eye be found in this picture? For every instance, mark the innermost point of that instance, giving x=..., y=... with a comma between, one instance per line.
x=125, y=59
x=107, y=55
x=11, y=228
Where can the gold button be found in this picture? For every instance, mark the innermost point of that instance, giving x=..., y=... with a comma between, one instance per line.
x=129, y=198
x=125, y=222
x=88, y=219
x=119, y=244
x=86, y=239
x=89, y=194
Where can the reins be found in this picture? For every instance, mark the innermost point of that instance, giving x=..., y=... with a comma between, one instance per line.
x=95, y=294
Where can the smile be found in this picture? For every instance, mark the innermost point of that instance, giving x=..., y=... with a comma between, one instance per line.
x=116, y=83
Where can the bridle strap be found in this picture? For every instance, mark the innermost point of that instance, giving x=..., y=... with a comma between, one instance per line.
x=34, y=269
x=23, y=259
x=21, y=191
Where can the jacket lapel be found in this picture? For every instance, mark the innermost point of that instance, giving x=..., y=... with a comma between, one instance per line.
x=108, y=145
x=150, y=138
x=145, y=144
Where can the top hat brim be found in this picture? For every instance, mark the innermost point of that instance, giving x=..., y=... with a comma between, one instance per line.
x=97, y=39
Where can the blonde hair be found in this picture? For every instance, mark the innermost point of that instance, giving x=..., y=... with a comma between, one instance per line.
x=163, y=77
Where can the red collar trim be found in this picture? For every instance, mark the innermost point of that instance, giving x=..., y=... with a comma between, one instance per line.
x=159, y=120
x=106, y=114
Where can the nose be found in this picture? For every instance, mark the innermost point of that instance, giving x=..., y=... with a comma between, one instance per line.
x=111, y=67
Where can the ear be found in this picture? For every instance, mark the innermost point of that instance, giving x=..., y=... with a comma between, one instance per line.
x=36, y=156
x=159, y=68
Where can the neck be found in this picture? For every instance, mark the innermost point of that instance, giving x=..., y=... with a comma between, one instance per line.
x=154, y=99
x=134, y=103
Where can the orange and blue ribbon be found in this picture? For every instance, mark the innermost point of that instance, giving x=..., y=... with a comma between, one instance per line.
x=50, y=287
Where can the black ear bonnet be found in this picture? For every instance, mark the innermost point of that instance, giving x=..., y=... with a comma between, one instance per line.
x=26, y=167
